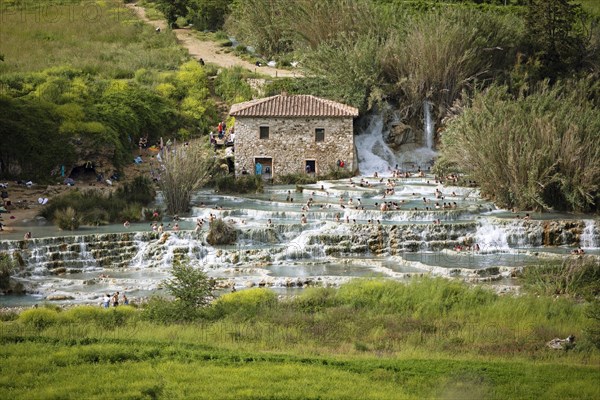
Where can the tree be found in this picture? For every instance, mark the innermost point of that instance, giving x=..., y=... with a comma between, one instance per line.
x=186, y=169
x=553, y=36
x=209, y=14
x=172, y=9
x=190, y=286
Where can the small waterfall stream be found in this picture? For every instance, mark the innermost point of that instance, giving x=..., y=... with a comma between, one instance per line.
x=589, y=237
x=429, y=124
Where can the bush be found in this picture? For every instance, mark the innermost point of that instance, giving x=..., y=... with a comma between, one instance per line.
x=221, y=233
x=295, y=179
x=231, y=85
x=67, y=219
x=593, y=332
x=94, y=207
x=575, y=277
x=7, y=267
x=104, y=318
x=245, y=304
x=538, y=151
x=190, y=286
x=422, y=297
x=315, y=299
x=140, y=190
x=39, y=318
x=242, y=184
x=166, y=311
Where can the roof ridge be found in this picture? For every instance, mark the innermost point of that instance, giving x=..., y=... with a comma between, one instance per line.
x=299, y=105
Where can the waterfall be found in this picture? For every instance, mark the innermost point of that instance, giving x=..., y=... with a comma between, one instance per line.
x=588, y=236
x=374, y=155
x=490, y=237
x=429, y=125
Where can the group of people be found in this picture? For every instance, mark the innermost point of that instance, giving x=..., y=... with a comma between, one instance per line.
x=464, y=247
x=113, y=300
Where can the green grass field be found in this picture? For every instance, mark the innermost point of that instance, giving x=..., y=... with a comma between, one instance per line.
x=100, y=37
x=161, y=369
x=370, y=339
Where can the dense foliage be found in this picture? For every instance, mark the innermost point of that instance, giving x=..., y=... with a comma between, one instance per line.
x=238, y=185
x=537, y=151
x=96, y=207
x=126, y=82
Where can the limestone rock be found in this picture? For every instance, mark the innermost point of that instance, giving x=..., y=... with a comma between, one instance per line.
x=59, y=297
x=562, y=344
x=400, y=134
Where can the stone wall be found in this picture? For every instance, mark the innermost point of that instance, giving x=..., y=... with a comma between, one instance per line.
x=292, y=141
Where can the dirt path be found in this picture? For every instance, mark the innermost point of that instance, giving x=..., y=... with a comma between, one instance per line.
x=209, y=51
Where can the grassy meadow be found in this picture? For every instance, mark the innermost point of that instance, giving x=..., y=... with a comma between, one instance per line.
x=102, y=37
x=369, y=339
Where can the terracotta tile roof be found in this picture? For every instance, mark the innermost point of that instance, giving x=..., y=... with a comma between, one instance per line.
x=299, y=105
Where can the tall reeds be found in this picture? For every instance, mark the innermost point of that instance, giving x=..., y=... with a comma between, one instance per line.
x=185, y=170
x=539, y=151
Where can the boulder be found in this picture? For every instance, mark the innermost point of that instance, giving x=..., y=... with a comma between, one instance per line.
x=562, y=344
x=400, y=134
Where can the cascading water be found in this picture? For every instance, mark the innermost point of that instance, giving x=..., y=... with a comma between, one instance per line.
x=374, y=155
x=341, y=239
x=491, y=238
x=429, y=125
x=588, y=237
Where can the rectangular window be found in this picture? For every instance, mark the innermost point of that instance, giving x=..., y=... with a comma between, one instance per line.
x=319, y=135
x=264, y=132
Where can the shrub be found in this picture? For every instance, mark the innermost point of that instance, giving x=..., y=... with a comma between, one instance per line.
x=9, y=315
x=165, y=311
x=576, y=277
x=423, y=297
x=337, y=173
x=296, y=179
x=7, y=267
x=242, y=184
x=593, y=332
x=39, y=318
x=245, y=304
x=221, y=233
x=94, y=207
x=186, y=169
x=96, y=217
x=132, y=213
x=231, y=85
x=315, y=299
x=67, y=219
x=140, y=190
x=533, y=151
x=190, y=286
x=105, y=318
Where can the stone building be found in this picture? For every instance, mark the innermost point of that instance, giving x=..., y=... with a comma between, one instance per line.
x=288, y=134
